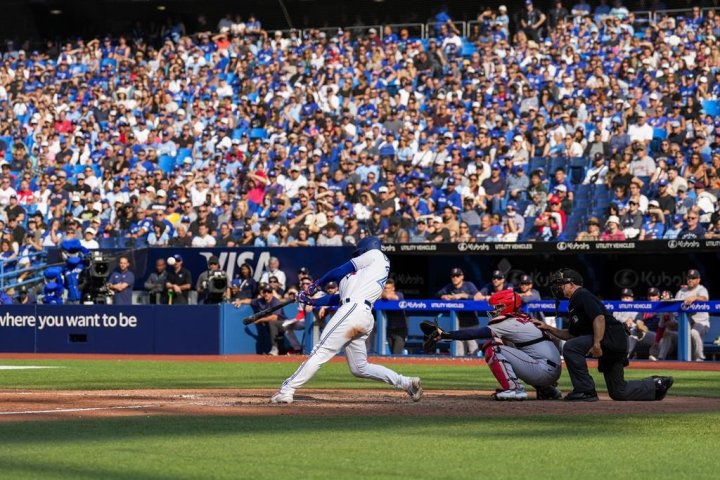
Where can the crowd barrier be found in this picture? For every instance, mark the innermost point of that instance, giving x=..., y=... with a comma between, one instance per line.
x=218, y=329
x=446, y=313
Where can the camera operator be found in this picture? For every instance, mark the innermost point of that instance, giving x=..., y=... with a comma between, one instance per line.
x=212, y=284
x=155, y=283
x=121, y=283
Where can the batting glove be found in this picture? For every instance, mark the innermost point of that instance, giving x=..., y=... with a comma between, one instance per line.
x=305, y=299
x=312, y=289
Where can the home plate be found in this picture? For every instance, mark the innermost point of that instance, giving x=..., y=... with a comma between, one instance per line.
x=24, y=367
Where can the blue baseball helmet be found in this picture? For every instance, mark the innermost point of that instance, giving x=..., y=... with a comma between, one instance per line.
x=366, y=244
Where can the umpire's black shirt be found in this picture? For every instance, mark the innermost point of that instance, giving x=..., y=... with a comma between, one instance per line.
x=583, y=308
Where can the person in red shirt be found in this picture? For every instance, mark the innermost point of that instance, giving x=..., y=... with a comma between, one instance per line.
x=612, y=232
x=62, y=124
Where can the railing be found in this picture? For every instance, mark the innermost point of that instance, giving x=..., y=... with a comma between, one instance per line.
x=427, y=30
x=419, y=307
x=6, y=275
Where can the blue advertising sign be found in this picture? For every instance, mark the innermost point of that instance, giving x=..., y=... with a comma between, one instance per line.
x=138, y=329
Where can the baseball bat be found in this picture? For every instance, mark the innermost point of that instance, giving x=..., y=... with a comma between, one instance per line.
x=267, y=311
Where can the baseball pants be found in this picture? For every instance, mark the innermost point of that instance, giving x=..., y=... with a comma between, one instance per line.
x=513, y=364
x=647, y=340
x=348, y=329
x=575, y=351
x=668, y=342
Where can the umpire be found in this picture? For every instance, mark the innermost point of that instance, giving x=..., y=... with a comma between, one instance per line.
x=591, y=329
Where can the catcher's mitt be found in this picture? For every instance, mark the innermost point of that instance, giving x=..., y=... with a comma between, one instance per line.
x=433, y=334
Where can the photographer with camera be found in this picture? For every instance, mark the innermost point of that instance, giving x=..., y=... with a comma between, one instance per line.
x=212, y=284
x=121, y=283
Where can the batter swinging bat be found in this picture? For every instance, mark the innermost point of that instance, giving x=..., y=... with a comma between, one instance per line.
x=267, y=311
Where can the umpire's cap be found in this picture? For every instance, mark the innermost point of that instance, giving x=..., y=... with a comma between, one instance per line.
x=565, y=275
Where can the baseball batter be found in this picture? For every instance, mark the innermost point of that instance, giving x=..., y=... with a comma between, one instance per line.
x=515, y=349
x=361, y=281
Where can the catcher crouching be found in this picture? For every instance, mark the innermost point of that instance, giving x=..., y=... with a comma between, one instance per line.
x=514, y=348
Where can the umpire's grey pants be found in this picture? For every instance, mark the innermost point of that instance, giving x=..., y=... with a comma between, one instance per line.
x=574, y=353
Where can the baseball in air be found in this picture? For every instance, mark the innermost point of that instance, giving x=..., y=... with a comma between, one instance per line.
x=171, y=261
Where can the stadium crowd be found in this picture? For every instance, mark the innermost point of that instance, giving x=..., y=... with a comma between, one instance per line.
x=578, y=122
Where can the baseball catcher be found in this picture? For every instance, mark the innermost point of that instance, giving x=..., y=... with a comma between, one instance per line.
x=515, y=349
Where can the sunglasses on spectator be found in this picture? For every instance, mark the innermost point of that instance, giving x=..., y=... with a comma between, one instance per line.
x=692, y=218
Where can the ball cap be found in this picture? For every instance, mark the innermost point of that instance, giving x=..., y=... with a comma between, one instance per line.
x=692, y=273
x=525, y=279
x=498, y=274
x=456, y=271
x=652, y=291
x=177, y=257
x=213, y=260
x=626, y=292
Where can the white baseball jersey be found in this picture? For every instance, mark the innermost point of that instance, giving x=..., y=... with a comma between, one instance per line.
x=367, y=282
x=520, y=330
x=350, y=327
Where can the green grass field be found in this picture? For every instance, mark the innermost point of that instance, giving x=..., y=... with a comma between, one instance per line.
x=588, y=447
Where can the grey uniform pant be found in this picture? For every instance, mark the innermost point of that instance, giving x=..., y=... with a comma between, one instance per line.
x=574, y=353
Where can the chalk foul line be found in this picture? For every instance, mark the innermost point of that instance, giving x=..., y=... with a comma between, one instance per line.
x=72, y=410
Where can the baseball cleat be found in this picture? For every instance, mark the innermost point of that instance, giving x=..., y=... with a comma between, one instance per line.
x=662, y=385
x=281, y=397
x=549, y=392
x=415, y=389
x=581, y=397
x=517, y=394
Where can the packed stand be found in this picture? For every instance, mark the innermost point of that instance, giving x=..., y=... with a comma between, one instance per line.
x=579, y=122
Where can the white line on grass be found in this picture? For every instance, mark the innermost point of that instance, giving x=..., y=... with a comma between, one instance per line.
x=71, y=410
x=24, y=367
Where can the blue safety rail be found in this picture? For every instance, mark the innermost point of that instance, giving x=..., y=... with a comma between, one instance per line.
x=452, y=307
x=12, y=277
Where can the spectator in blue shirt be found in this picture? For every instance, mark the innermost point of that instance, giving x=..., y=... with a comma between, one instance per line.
x=121, y=283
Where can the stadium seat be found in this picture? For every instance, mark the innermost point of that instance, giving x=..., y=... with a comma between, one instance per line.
x=583, y=191
x=577, y=169
x=538, y=162
x=558, y=162
x=258, y=133
x=711, y=107
x=468, y=48
x=183, y=153
x=601, y=191
x=238, y=132
x=659, y=133
x=166, y=163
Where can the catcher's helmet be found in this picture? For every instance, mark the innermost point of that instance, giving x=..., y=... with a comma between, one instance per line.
x=366, y=244
x=504, y=302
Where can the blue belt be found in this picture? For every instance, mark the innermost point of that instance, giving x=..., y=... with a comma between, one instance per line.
x=350, y=300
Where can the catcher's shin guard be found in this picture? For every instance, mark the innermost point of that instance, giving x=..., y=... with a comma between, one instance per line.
x=499, y=366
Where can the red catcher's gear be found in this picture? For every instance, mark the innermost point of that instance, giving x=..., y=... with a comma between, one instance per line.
x=504, y=302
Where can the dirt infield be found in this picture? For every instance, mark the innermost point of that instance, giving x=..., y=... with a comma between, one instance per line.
x=66, y=405
x=28, y=405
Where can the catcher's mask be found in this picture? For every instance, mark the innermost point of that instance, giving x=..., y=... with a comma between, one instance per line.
x=504, y=302
x=562, y=277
